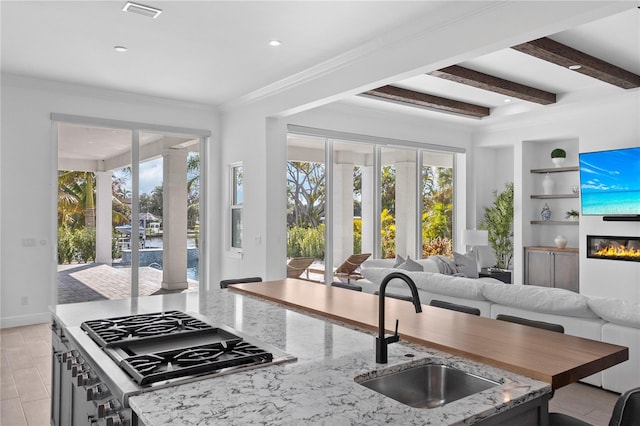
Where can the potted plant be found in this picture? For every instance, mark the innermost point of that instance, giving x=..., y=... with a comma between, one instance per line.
x=572, y=215
x=558, y=156
x=498, y=220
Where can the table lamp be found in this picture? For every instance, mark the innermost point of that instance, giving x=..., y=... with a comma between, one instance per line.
x=475, y=238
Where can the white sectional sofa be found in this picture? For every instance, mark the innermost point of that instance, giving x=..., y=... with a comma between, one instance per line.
x=608, y=320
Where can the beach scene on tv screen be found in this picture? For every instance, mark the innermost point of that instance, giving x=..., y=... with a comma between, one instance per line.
x=610, y=182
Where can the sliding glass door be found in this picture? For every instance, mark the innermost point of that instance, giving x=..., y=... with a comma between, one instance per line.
x=139, y=194
x=367, y=197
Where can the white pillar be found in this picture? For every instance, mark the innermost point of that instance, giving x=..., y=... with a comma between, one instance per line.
x=367, y=209
x=174, y=219
x=342, y=212
x=406, y=208
x=103, y=217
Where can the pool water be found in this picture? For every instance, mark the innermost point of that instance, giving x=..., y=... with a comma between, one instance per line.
x=192, y=270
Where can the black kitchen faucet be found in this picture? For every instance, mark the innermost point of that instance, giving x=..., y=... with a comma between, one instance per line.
x=383, y=341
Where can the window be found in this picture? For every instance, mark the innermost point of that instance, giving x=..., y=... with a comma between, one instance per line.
x=236, y=206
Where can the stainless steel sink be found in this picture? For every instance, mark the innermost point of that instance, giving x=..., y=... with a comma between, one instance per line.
x=428, y=385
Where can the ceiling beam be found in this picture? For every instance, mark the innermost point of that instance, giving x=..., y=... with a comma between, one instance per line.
x=565, y=56
x=491, y=83
x=411, y=97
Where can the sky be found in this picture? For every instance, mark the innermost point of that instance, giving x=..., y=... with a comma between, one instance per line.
x=150, y=176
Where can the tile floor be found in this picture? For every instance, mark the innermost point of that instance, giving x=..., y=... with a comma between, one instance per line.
x=25, y=383
x=25, y=375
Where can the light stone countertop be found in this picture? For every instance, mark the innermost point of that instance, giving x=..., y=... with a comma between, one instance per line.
x=318, y=388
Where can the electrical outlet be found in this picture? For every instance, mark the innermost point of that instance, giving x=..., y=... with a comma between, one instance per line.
x=28, y=242
x=24, y=300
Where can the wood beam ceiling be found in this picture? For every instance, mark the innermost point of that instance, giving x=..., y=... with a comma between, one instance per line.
x=491, y=83
x=565, y=56
x=411, y=97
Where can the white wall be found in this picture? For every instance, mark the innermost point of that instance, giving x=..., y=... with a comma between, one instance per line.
x=492, y=169
x=254, y=126
x=605, y=123
x=28, y=177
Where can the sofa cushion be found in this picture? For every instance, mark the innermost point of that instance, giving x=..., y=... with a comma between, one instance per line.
x=375, y=275
x=626, y=375
x=464, y=288
x=378, y=263
x=616, y=311
x=461, y=287
x=539, y=299
x=410, y=265
x=399, y=261
x=466, y=265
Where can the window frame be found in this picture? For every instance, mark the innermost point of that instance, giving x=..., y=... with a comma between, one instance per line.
x=235, y=205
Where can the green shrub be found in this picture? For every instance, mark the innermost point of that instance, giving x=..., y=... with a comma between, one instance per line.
x=440, y=245
x=77, y=244
x=84, y=243
x=357, y=235
x=306, y=242
x=65, y=246
x=388, y=234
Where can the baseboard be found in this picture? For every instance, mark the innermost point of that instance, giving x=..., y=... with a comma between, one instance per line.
x=22, y=320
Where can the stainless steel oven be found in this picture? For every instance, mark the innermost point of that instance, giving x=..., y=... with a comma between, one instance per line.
x=99, y=365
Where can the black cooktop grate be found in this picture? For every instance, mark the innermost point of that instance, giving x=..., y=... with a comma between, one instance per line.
x=133, y=328
x=150, y=368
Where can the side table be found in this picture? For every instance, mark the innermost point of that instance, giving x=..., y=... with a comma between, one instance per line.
x=498, y=274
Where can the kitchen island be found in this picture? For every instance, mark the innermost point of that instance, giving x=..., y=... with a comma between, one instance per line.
x=319, y=388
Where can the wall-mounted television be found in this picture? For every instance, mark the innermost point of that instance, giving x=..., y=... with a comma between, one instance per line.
x=610, y=182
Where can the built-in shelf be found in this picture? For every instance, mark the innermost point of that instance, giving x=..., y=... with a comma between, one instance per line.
x=555, y=222
x=551, y=196
x=556, y=169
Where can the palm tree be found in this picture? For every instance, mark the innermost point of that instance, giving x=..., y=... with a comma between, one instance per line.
x=76, y=199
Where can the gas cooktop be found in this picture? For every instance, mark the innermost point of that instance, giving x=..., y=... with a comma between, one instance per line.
x=164, y=346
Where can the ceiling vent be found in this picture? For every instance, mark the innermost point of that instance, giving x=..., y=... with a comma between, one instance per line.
x=141, y=9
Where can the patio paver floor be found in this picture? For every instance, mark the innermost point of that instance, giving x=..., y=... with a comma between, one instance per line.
x=84, y=282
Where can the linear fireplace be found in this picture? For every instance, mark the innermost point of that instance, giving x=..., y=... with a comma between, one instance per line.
x=613, y=248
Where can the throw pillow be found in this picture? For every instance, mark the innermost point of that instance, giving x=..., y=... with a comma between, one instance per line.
x=411, y=265
x=399, y=261
x=466, y=265
x=429, y=265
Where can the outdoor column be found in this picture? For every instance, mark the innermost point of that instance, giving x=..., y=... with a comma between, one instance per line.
x=174, y=219
x=342, y=212
x=367, y=208
x=103, y=217
x=406, y=208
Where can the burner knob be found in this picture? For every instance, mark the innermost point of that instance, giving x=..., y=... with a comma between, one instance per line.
x=96, y=392
x=68, y=355
x=105, y=408
x=115, y=420
x=87, y=378
x=74, y=362
x=78, y=369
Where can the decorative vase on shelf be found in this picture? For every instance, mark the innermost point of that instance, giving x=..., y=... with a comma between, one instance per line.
x=547, y=185
x=545, y=213
x=560, y=241
x=558, y=161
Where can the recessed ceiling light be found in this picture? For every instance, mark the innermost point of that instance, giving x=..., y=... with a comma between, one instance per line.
x=120, y=48
x=141, y=9
x=507, y=100
x=575, y=67
x=275, y=43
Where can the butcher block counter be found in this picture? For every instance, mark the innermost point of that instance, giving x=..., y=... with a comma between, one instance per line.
x=554, y=358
